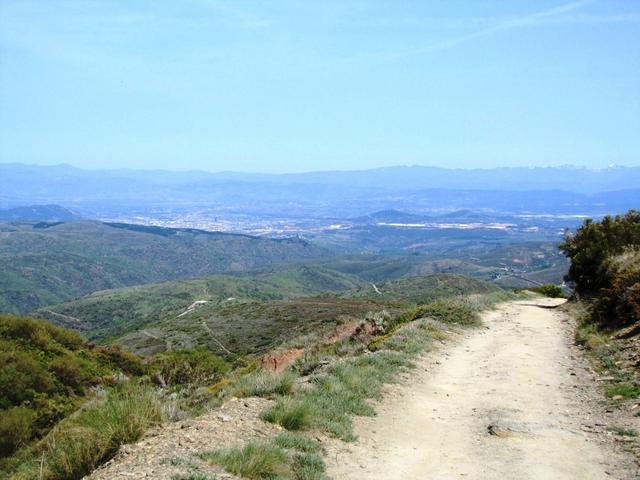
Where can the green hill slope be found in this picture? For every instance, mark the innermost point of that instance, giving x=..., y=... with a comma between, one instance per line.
x=250, y=326
x=423, y=289
x=245, y=315
x=42, y=264
x=47, y=372
x=111, y=313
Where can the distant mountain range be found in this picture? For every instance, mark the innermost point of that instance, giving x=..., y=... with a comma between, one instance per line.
x=100, y=193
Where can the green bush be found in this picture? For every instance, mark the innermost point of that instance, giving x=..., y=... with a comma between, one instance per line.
x=592, y=245
x=122, y=360
x=451, y=311
x=190, y=367
x=549, y=290
x=69, y=371
x=619, y=304
x=38, y=332
x=22, y=376
x=15, y=429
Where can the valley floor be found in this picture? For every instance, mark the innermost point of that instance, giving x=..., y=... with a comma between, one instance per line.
x=512, y=401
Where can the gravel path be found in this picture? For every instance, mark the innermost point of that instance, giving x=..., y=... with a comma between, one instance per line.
x=510, y=401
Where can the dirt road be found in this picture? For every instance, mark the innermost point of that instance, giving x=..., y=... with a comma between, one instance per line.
x=517, y=375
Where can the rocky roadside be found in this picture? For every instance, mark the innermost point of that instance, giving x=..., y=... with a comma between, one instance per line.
x=172, y=451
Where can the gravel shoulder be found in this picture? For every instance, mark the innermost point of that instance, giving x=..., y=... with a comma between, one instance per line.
x=512, y=400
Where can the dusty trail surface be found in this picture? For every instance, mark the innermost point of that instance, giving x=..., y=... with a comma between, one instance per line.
x=518, y=374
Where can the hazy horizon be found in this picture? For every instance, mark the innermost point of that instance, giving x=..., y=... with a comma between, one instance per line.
x=301, y=172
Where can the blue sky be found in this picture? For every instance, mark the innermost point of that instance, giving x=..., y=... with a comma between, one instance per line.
x=285, y=86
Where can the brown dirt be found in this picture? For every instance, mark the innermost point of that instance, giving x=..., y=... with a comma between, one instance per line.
x=278, y=361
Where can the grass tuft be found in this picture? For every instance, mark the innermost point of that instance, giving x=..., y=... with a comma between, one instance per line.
x=285, y=457
x=627, y=390
x=256, y=460
x=291, y=413
x=625, y=432
x=81, y=442
x=292, y=441
x=262, y=383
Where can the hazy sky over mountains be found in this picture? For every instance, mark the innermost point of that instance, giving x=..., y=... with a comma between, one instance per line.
x=317, y=85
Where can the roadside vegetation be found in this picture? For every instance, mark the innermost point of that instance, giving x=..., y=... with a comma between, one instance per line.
x=78, y=403
x=605, y=270
x=337, y=382
x=66, y=406
x=286, y=456
x=549, y=290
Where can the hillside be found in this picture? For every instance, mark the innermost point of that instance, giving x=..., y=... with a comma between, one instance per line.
x=42, y=264
x=243, y=316
x=47, y=373
x=38, y=213
x=111, y=313
x=422, y=290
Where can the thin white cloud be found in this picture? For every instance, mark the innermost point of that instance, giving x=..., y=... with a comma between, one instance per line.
x=510, y=24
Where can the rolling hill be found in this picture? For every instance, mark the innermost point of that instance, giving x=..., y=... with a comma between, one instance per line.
x=38, y=213
x=111, y=313
x=47, y=263
x=247, y=315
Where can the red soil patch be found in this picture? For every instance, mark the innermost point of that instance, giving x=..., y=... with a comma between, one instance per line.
x=278, y=361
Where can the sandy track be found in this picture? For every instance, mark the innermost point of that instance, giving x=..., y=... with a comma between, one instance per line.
x=516, y=373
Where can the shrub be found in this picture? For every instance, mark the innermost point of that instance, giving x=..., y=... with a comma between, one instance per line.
x=287, y=456
x=619, y=303
x=15, y=429
x=123, y=360
x=65, y=337
x=588, y=335
x=69, y=371
x=335, y=396
x=21, y=376
x=190, y=367
x=593, y=243
x=451, y=311
x=38, y=332
x=309, y=466
x=549, y=290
